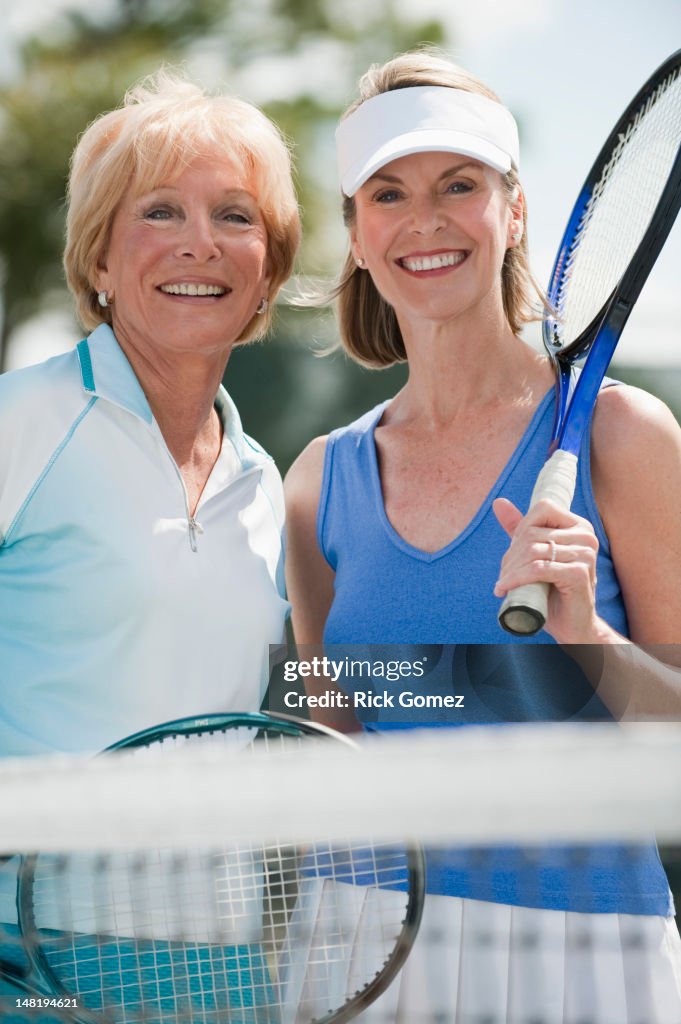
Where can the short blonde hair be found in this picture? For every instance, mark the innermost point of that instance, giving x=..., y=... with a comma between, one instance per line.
x=368, y=325
x=164, y=123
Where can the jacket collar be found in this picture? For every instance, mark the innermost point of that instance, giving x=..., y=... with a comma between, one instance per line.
x=107, y=374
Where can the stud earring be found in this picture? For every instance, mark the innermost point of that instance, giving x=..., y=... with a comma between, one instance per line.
x=516, y=236
x=262, y=306
x=360, y=262
x=103, y=299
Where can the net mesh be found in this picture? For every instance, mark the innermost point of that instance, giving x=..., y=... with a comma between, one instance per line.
x=618, y=211
x=267, y=883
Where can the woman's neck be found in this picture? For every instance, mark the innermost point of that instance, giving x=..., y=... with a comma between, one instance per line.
x=181, y=388
x=457, y=367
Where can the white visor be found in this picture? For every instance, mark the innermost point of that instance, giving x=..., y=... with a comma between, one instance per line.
x=420, y=120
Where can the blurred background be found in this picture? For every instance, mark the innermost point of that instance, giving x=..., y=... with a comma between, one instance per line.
x=566, y=68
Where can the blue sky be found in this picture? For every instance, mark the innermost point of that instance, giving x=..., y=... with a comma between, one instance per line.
x=566, y=68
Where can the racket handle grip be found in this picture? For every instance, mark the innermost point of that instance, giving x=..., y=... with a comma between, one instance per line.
x=525, y=609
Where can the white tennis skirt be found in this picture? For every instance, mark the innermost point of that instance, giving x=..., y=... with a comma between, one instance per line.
x=487, y=963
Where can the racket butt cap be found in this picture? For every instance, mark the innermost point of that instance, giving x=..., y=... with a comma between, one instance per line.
x=521, y=620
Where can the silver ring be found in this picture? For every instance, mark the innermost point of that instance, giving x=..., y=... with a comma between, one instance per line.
x=552, y=551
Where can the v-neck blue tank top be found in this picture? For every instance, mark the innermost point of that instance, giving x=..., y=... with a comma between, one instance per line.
x=388, y=591
x=440, y=609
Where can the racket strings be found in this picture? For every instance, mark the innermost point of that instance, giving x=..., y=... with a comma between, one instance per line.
x=619, y=210
x=251, y=933
x=148, y=962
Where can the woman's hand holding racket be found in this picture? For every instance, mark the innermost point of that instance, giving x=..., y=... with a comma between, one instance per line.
x=554, y=547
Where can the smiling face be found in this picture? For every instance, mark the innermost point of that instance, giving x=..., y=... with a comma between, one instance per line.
x=433, y=229
x=186, y=264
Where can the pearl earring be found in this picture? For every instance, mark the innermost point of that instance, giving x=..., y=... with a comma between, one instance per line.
x=360, y=262
x=517, y=235
x=103, y=299
x=262, y=306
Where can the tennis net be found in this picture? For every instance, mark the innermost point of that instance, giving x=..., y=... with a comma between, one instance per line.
x=258, y=879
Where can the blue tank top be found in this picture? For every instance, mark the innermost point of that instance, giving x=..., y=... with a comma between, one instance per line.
x=440, y=609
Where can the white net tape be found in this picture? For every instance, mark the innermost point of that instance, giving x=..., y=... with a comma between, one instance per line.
x=511, y=783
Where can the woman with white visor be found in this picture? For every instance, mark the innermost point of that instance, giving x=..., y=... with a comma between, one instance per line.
x=398, y=525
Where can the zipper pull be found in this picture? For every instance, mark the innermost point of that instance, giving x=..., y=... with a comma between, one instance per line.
x=194, y=529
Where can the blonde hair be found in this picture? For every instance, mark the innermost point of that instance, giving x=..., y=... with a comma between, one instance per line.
x=369, y=330
x=164, y=123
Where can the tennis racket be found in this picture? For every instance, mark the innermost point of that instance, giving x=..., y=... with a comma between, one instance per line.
x=616, y=230
x=245, y=934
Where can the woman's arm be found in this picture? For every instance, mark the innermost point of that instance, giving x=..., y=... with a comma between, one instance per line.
x=309, y=577
x=636, y=471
